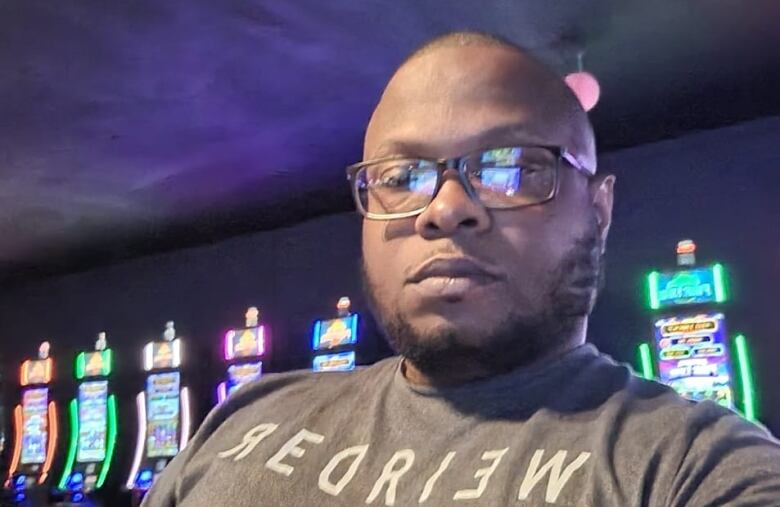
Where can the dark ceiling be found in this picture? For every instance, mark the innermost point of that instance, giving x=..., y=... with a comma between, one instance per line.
x=128, y=127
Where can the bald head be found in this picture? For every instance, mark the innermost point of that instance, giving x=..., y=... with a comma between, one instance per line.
x=471, y=81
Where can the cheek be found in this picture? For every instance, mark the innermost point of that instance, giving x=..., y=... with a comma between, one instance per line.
x=381, y=258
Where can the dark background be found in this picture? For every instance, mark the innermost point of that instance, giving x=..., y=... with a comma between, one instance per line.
x=183, y=160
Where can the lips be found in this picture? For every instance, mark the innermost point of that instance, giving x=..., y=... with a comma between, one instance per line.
x=453, y=268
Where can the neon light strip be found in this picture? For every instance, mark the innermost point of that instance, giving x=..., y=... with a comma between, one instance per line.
x=229, y=352
x=148, y=356
x=17, y=441
x=73, y=408
x=646, y=361
x=111, y=439
x=720, y=286
x=354, y=328
x=81, y=365
x=176, y=352
x=53, y=434
x=140, y=404
x=48, y=369
x=185, y=418
x=746, y=378
x=652, y=286
x=23, y=373
x=315, y=337
x=108, y=361
x=221, y=392
x=261, y=342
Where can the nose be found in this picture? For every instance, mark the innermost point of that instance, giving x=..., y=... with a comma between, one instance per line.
x=452, y=211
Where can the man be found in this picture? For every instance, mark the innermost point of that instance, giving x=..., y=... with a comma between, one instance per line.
x=484, y=228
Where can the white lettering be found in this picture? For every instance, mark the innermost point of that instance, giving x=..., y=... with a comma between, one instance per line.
x=357, y=453
x=390, y=476
x=291, y=448
x=483, y=474
x=557, y=480
x=249, y=442
x=426, y=493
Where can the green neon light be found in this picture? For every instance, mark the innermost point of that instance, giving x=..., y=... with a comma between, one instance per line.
x=720, y=285
x=108, y=358
x=746, y=378
x=74, y=439
x=81, y=365
x=646, y=361
x=652, y=287
x=111, y=439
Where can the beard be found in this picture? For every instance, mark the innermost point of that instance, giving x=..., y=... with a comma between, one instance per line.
x=519, y=339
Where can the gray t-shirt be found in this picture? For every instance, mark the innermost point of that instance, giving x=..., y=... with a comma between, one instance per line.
x=580, y=430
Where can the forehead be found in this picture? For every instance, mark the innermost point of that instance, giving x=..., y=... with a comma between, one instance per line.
x=459, y=99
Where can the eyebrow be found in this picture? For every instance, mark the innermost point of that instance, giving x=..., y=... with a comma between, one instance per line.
x=491, y=138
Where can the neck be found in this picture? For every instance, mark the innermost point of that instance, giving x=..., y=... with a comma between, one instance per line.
x=464, y=370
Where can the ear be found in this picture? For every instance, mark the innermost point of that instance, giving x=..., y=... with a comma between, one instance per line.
x=602, y=196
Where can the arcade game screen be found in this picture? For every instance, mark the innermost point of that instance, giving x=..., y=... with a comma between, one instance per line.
x=93, y=416
x=240, y=374
x=333, y=333
x=342, y=361
x=35, y=423
x=246, y=343
x=693, y=357
x=162, y=391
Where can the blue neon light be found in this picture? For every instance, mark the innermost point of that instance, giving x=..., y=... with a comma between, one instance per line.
x=315, y=337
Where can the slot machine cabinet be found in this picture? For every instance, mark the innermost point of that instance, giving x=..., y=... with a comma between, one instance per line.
x=334, y=340
x=244, y=351
x=691, y=350
x=36, y=428
x=164, y=413
x=93, y=427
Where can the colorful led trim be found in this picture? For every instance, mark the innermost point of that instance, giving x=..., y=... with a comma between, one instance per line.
x=185, y=418
x=73, y=409
x=720, y=286
x=315, y=337
x=221, y=392
x=646, y=361
x=53, y=434
x=176, y=352
x=111, y=441
x=17, y=441
x=140, y=403
x=652, y=286
x=746, y=378
x=148, y=356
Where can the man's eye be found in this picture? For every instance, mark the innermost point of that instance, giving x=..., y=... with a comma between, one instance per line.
x=396, y=177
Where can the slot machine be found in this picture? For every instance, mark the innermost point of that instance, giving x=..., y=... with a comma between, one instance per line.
x=93, y=427
x=164, y=412
x=36, y=429
x=691, y=350
x=244, y=351
x=334, y=340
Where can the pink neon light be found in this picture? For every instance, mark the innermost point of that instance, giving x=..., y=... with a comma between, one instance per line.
x=185, y=418
x=221, y=392
x=140, y=403
x=229, y=351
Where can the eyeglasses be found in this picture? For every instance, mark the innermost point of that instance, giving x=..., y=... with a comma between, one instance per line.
x=498, y=178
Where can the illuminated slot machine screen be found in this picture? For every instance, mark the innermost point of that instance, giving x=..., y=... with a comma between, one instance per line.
x=693, y=357
x=35, y=432
x=333, y=333
x=93, y=415
x=162, y=409
x=342, y=361
x=240, y=374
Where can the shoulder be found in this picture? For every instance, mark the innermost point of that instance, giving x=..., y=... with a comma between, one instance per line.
x=301, y=386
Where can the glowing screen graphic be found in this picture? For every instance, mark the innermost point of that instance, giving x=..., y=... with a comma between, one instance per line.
x=245, y=343
x=162, y=354
x=343, y=361
x=93, y=414
x=693, y=357
x=93, y=363
x=240, y=374
x=335, y=332
x=35, y=426
x=690, y=286
x=162, y=409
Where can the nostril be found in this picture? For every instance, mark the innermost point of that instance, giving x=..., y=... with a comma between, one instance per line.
x=469, y=222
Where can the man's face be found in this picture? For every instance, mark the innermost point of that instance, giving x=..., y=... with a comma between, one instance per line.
x=459, y=278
